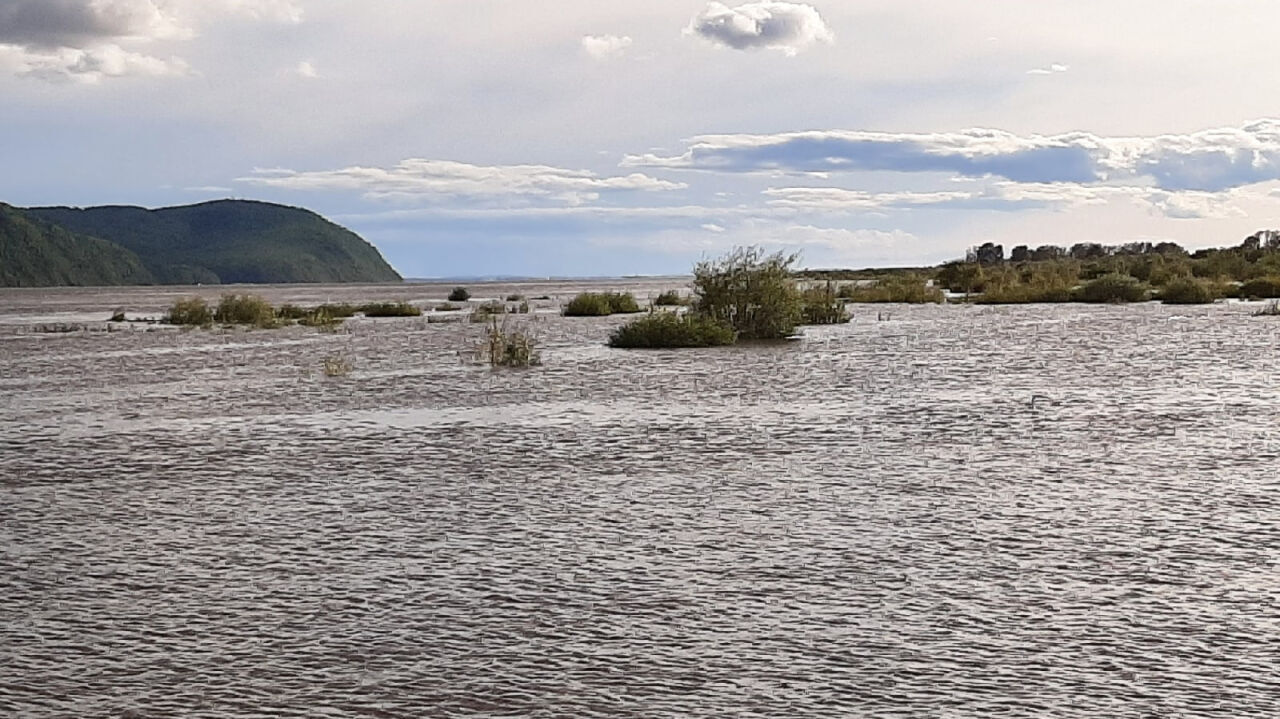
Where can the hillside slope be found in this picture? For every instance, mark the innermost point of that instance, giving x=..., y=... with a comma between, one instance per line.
x=231, y=241
x=35, y=253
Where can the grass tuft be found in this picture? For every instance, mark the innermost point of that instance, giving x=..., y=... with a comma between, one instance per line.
x=506, y=346
x=601, y=304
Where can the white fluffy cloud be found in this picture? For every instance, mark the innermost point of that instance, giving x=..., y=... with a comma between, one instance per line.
x=603, y=47
x=425, y=179
x=87, y=40
x=786, y=26
x=1211, y=160
x=87, y=66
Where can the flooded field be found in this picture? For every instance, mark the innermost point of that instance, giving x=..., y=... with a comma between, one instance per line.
x=939, y=511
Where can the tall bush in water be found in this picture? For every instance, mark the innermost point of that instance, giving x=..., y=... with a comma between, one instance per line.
x=749, y=291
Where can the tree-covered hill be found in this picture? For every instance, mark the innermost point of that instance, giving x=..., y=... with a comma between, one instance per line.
x=35, y=253
x=230, y=241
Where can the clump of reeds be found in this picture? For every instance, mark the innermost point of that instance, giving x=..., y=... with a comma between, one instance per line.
x=337, y=366
x=190, y=311
x=601, y=304
x=507, y=346
x=459, y=294
x=822, y=306
x=390, y=309
x=669, y=329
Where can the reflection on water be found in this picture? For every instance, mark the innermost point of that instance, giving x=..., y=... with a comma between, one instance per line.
x=961, y=512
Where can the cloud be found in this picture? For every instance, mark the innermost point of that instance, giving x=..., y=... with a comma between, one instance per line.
x=1211, y=160
x=87, y=40
x=1051, y=70
x=603, y=47
x=425, y=179
x=306, y=69
x=786, y=26
x=88, y=66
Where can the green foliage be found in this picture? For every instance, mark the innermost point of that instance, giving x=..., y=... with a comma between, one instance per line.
x=670, y=298
x=963, y=277
x=36, y=253
x=822, y=306
x=508, y=347
x=245, y=310
x=448, y=307
x=910, y=289
x=1260, y=288
x=230, y=241
x=750, y=292
x=459, y=294
x=515, y=298
x=669, y=329
x=1188, y=291
x=190, y=311
x=390, y=309
x=1112, y=288
x=601, y=304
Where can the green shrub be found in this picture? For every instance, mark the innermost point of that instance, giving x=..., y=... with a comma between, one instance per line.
x=390, y=309
x=750, y=292
x=821, y=306
x=515, y=298
x=588, y=304
x=1188, y=291
x=1112, y=288
x=448, y=307
x=1259, y=288
x=600, y=304
x=670, y=298
x=245, y=310
x=459, y=294
x=190, y=311
x=669, y=330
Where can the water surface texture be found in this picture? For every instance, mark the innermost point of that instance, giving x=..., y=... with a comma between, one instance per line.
x=1038, y=511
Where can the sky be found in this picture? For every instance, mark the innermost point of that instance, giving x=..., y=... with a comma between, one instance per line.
x=587, y=138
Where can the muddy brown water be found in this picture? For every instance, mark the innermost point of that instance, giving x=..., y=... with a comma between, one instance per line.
x=1031, y=511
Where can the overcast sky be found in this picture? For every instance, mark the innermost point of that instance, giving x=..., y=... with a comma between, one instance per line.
x=581, y=137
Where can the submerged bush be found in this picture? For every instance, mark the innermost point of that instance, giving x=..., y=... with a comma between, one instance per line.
x=668, y=329
x=459, y=294
x=192, y=311
x=750, y=292
x=1112, y=288
x=600, y=304
x=822, y=306
x=1188, y=291
x=390, y=309
x=245, y=310
x=487, y=310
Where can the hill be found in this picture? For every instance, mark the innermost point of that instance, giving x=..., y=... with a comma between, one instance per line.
x=35, y=253
x=230, y=241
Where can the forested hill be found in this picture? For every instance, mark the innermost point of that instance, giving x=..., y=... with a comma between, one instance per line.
x=35, y=253
x=229, y=241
